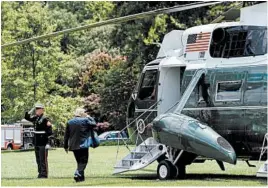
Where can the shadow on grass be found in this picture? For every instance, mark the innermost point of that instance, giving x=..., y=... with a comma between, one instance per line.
x=153, y=177
x=208, y=177
x=57, y=178
x=16, y=151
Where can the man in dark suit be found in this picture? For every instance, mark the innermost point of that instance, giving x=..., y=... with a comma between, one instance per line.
x=77, y=130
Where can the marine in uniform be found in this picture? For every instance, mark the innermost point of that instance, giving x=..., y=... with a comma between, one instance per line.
x=43, y=129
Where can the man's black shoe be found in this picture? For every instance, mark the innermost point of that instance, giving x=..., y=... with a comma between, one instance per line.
x=79, y=178
x=76, y=178
x=41, y=176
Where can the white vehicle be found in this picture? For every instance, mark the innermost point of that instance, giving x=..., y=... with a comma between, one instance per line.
x=11, y=136
x=112, y=136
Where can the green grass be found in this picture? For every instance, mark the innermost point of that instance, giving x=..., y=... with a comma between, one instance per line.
x=19, y=169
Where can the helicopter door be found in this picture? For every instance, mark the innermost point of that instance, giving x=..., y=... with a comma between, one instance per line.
x=146, y=97
x=169, y=90
x=147, y=92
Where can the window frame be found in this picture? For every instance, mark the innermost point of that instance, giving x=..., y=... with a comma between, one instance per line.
x=153, y=68
x=228, y=100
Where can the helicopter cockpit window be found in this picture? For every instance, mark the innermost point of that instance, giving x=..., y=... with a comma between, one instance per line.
x=148, y=85
x=228, y=91
x=239, y=41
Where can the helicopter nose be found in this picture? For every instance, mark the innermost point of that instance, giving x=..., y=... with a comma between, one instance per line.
x=227, y=150
x=232, y=156
x=185, y=133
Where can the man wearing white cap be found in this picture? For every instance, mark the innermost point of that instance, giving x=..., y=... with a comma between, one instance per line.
x=77, y=130
x=43, y=129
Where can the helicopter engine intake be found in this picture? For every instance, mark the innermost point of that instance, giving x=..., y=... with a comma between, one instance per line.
x=218, y=35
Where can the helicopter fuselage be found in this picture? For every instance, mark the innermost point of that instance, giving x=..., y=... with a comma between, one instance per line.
x=231, y=98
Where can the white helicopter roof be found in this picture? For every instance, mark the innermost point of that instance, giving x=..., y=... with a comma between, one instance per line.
x=172, y=62
x=205, y=29
x=254, y=15
x=174, y=49
x=174, y=42
x=208, y=28
x=171, y=44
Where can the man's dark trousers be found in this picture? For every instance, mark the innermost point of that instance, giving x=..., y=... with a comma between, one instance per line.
x=41, y=159
x=81, y=157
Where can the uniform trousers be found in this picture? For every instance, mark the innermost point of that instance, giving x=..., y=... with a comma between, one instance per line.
x=41, y=154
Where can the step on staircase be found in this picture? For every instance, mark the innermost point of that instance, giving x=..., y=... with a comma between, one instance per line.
x=263, y=171
x=143, y=155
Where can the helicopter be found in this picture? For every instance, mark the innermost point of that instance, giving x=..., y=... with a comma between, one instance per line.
x=204, y=95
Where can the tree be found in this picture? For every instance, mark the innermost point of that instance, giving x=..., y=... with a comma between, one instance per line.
x=100, y=65
x=60, y=110
x=72, y=14
x=29, y=72
x=114, y=86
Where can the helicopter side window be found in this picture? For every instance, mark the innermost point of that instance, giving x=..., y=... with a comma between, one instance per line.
x=148, y=85
x=228, y=91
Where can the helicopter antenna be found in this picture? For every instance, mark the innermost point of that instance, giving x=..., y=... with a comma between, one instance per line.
x=161, y=47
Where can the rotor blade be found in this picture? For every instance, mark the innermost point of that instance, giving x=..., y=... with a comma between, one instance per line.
x=177, y=8
x=230, y=15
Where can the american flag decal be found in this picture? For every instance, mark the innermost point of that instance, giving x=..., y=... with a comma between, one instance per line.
x=198, y=42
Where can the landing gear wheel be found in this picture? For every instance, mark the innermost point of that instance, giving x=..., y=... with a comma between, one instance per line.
x=175, y=172
x=166, y=170
x=161, y=158
x=181, y=171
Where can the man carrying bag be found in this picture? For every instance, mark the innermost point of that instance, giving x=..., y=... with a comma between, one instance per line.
x=91, y=141
x=77, y=139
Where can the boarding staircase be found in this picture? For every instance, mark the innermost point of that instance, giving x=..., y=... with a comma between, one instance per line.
x=140, y=157
x=150, y=150
x=263, y=171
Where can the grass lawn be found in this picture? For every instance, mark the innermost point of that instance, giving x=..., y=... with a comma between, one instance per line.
x=19, y=169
